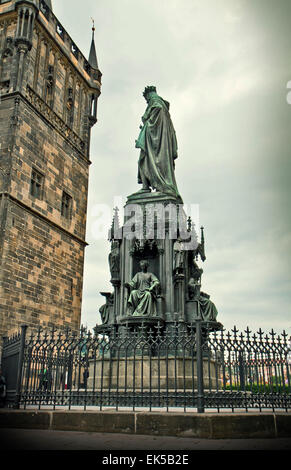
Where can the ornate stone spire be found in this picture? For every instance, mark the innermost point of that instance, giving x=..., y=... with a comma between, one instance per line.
x=115, y=227
x=93, y=56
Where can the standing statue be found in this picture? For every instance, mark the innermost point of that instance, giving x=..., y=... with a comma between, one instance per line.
x=114, y=260
x=196, y=272
x=144, y=287
x=179, y=256
x=158, y=144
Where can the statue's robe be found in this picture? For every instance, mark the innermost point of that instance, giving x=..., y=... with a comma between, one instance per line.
x=179, y=255
x=208, y=308
x=107, y=310
x=114, y=260
x=159, y=149
x=141, y=301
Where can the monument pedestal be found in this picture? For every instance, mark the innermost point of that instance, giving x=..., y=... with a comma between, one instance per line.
x=144, y=373
x=133, y=320
x=152, y=197
x=155, y=332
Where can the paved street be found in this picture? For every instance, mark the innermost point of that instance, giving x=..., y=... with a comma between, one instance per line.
x=19, y=439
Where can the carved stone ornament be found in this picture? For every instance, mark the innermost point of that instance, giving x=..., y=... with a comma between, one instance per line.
x=55, y=120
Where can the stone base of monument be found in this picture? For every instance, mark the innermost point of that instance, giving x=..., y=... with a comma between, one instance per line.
x=144, y=373
x=142, y=197
x=145, y=321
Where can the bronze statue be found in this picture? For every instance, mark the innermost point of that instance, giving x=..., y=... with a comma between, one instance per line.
x=179, y=256
x=196, y=272
x=208, y=310
x=143, y=290
x=158, y=144
x=114, y=259
x=107, y=310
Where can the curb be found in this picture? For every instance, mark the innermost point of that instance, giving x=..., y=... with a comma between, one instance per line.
x=206, y=426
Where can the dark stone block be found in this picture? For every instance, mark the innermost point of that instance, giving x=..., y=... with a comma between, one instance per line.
x=283, y=425
x=241, y=426
x=173, y=424
x=24, y=419
x=94, y=421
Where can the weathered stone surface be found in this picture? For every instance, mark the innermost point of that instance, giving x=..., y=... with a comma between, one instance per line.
x=173, y=424
x=233, y=426
x=94, y=421
x=24, y=419
x=205, y=426
x=174, y=373
x=283, y=425
x=46, y=93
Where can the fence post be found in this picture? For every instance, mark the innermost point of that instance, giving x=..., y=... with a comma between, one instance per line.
x=20, y=366
x=199, y=358
x=241, y=371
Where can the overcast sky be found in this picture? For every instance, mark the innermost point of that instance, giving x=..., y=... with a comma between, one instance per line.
x=224, y=66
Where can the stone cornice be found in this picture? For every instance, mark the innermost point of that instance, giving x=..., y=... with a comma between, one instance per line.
x=56, y=121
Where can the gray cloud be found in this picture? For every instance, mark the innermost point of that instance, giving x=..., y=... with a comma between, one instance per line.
x=224, y=67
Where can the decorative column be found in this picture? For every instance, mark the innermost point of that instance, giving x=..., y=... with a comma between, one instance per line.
x=23, y=40
x=178, y=267
x=116, y=285
x=179, y=286
x=161, y=251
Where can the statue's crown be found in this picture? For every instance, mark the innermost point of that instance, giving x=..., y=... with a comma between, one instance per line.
x=149, y=89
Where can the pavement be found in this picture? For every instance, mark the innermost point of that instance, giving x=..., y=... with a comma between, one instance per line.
x=44, y=440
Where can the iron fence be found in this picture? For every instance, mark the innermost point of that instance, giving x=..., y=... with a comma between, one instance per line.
x=184, y=367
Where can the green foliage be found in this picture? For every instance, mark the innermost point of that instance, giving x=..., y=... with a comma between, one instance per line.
x=260, y=388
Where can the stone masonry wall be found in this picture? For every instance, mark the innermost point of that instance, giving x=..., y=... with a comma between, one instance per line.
x=42, y=251
x=41, y=273
x=45, y=120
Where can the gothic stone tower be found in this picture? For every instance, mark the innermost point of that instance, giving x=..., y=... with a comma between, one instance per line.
x=49, y=95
